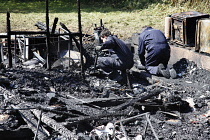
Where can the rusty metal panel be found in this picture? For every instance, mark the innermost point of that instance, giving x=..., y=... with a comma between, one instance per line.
x=183, y=27
x=203, y=35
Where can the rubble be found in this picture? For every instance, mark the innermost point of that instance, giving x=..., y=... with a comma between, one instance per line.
x=60, y=104
x=65, y=101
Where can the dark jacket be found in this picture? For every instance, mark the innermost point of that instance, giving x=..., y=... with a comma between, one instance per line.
x=121, y=59
x=119, y=47
x=154, y=44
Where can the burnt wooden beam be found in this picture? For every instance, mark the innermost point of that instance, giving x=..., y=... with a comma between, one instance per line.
x=45, y=109
x=98, y=116
x=32, y=123
x=95, y=100
x=27, y=116
x=80, y=39
x=9, y=39
x=142, y=97
x=81, y=108
x=48, y=37
x=3, y=36
x=26, y=32
x=56, y=126
x=66, y=35
x=54, y=25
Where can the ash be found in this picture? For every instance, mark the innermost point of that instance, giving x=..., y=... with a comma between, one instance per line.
x=76, y=106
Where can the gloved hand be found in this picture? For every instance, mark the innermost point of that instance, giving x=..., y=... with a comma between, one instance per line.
x=98, y=48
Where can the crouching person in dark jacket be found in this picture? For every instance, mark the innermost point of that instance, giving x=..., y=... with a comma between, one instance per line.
x=120, y=59
x=154, y=52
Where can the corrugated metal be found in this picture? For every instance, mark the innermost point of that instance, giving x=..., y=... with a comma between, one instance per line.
x=203, y=36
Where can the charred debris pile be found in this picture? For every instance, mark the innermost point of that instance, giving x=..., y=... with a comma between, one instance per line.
x=62, y=103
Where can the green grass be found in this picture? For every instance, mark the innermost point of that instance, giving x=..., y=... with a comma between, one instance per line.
x=121, y=21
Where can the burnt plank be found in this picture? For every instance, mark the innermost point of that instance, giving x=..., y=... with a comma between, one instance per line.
x=81, y=108
x=29, y=118
x=54, y=125
x=142, y=97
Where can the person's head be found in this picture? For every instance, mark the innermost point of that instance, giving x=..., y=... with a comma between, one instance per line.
x=104, y=34
x=144, y=28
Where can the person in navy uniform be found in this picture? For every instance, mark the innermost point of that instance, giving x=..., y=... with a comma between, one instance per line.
x=120, y=58
x=154, y=52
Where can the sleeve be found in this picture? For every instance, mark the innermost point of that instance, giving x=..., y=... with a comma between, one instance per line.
x=109, y=44
x=141, y=51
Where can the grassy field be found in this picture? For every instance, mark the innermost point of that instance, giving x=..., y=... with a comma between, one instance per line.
x=121, y=22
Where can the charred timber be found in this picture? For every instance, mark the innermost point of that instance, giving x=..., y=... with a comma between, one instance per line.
x=43, y=27
x=32, y=123
x=58, y=112
x=56, y=126
x=54, y=25
x=142, y=97
x=3, y=36
x=99, y=116
x=81, y=108
x=27, y=32
x=66, y=35
x=25, y=114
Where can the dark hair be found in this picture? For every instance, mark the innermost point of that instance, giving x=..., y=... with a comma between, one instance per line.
x=144, y=27
x=105, y=32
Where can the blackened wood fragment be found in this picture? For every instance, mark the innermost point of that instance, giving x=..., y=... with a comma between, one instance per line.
x=29, y=118
x=56, y=126
x=142, y=97
x=81, y=108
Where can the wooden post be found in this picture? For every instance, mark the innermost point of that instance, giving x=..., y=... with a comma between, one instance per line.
x=48, y=37
x=9, y=39
x=80, y=38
